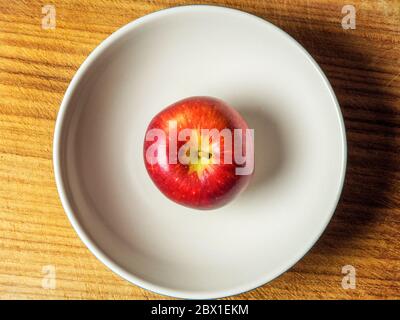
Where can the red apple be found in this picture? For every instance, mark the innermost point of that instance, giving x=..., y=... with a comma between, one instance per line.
x=202, y=181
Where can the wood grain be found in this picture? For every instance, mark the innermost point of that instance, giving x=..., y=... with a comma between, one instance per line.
x=36, y=66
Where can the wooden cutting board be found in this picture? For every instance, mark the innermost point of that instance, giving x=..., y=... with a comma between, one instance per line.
x=36, y=65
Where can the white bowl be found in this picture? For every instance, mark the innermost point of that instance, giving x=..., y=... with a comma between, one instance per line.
x=300, y=152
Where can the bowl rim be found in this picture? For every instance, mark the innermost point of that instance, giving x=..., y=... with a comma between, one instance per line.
x=66, y=202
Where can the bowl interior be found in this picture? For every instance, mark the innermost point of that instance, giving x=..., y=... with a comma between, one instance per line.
x=299, y=145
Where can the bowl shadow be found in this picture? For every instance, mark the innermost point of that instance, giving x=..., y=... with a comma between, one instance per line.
x=368, y=107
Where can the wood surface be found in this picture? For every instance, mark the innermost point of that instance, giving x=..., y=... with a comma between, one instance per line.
x=36, y=66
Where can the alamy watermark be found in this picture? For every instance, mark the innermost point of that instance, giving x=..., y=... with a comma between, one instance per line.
x=49, y=277
x=202, y=147
x=349, y=20
x=349, y=280
x=49, y=18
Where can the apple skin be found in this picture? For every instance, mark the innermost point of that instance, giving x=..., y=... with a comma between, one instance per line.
x=219, y=183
